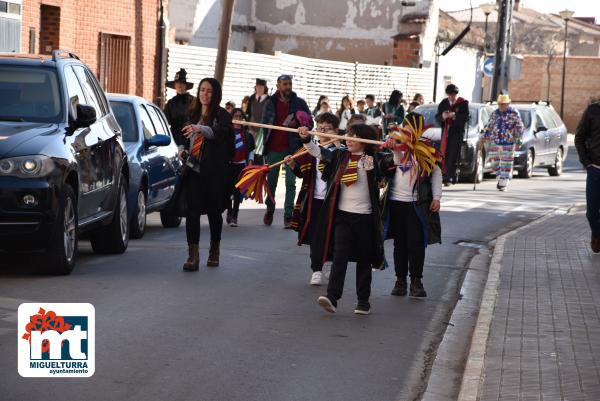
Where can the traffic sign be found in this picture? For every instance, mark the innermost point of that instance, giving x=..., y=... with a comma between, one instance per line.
x=488, y=66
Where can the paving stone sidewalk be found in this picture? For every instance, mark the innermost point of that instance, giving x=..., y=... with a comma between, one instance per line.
x=544, y=341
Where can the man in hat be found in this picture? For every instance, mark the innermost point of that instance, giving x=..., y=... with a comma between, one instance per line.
x=177, y=108
x=284, y=108
x=503, y=131
x=587, y=142
x=453, y=116
x=256, y=109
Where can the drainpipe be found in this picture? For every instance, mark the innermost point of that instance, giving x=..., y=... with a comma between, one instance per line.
x=161, y=60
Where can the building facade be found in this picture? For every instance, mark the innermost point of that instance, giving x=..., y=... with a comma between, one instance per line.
x=117, y=39
x=353, y=30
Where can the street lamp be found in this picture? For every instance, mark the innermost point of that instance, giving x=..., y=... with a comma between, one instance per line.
x=487, y=10
x=566, y=16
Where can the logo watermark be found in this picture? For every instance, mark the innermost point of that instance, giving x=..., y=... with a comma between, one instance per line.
x=56, y=340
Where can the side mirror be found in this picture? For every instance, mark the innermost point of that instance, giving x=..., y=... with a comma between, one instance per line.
x=86, y=116
x=159, y=140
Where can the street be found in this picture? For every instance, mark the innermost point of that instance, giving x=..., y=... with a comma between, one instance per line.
x=251, y=329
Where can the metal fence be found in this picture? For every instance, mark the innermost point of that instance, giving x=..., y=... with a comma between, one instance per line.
x=312, y=77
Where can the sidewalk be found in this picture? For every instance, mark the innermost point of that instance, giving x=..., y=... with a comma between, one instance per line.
x=544, y=337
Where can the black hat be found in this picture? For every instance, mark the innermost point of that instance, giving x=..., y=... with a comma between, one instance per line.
x=180, y=77
x=260, y=81
x=451, y=89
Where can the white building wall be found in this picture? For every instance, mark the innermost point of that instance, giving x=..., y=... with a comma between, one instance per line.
x=462, y=67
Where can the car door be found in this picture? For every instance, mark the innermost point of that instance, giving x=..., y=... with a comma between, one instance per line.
x=166, y=177
x=151, y=158
x=169, y=155
x=559, y=132
x=104, y=148
x=542, y=138
x=82, y=143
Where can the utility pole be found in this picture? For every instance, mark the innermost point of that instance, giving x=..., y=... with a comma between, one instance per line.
x=224, y=39
x=500, y=79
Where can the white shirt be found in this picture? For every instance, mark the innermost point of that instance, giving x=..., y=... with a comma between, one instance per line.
x=344, y=118
x=404, y=182
x=320, y=185
x=354, y=198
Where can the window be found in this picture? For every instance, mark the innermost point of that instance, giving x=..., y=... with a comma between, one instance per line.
x=74, y=91
x=525, y=117
x=125, y=116
x=10, y=27
x=114, y=63
x=88, y=88
x=147, y=126
x=551, y=124
x=29, y=94
x=156, y=120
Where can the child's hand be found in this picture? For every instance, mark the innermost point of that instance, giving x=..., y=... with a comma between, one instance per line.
x=303, y=132
x=435, y=206
x=289, y=161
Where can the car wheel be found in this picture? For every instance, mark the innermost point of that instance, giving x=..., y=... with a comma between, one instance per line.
x=477, y=175
x=138, y=220
x=169, y=220
x=557, y=169
x=114, y=237
x=527, y=170
x=60, y=257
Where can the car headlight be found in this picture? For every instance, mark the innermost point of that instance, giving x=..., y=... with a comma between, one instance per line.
x=26, y=166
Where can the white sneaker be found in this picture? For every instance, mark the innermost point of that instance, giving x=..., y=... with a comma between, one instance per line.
x=316, y=279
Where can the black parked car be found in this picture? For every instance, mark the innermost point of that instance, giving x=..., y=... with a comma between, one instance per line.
x=544, y=141
x=63, y=167
x=470, y=163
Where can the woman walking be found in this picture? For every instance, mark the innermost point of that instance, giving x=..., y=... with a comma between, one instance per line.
x=206, y=179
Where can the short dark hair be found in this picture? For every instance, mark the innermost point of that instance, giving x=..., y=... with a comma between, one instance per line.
x=329, y=118
x=364, y=131
x=357, y=117
x=372, y=97
x=451, y=89
x=238, y=110
x=360, y=101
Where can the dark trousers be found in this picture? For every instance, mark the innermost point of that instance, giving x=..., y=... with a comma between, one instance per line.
x=592, y=191
x=409, y=250
x=315, y=260
x=353, y=234
x=235, y=169
x=451, y=157
x=192, y=227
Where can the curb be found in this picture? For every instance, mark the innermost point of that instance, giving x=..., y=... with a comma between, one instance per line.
x=473, y=373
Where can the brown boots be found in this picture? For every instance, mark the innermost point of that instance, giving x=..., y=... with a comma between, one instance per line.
x=213, y=254
x=193, y=262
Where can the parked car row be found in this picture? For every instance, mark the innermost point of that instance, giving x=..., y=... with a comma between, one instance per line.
x=71, y=163
x=543, y=144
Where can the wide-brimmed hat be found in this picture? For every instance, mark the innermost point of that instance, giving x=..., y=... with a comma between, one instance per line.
x=181, y=76
x=503, y=99
x=260, y=81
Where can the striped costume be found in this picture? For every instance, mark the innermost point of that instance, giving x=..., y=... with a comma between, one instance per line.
x=504, y=131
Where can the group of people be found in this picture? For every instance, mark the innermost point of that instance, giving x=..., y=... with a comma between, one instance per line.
x=338, y=211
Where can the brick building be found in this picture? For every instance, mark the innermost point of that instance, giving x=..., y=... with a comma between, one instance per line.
x=117, y=39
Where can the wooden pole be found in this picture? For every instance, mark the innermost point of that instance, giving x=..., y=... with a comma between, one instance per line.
x=324, y=135
x=224, y=33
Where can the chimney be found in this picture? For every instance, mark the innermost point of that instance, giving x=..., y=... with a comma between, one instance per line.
x=517, y=5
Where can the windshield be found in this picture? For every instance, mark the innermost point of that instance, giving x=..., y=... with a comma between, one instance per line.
x=29, y=94
x=125, y=116
x=429, y=112
x=525, y=116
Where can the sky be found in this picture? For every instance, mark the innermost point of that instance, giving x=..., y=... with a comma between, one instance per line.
x=582, y=8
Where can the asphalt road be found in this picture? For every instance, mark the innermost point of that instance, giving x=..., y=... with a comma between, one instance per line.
x=251, y=329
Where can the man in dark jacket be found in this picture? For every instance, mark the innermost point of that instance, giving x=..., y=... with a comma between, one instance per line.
x=177, y=108
x=256, y=110
x=587, y=142
x=284, y=108
x=452, y=115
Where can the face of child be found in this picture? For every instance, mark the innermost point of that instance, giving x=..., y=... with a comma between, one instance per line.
x=369, y=102
x=237, y=116
x=354, y=146
x=361, y=106
x=324, y=107
x=324, y=127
